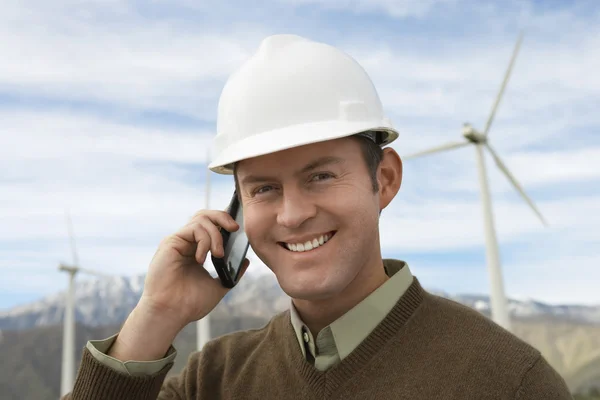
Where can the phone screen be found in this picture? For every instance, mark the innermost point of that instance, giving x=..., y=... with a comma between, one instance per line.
x=235, y=245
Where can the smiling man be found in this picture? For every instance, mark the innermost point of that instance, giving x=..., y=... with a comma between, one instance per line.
x=302, y=130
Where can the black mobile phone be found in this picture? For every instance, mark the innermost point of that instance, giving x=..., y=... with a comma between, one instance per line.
x=236, y=246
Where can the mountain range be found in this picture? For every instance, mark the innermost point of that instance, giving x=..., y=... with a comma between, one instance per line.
x=31, y=334
x=108, y=301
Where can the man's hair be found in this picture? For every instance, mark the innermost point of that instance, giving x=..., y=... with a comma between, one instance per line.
x=372, y=156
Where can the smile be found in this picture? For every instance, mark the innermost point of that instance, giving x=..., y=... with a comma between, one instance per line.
x=309, y=244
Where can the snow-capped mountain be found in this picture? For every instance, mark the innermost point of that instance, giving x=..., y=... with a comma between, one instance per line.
x=107, y=301
x=97, y=302
x=531, y=309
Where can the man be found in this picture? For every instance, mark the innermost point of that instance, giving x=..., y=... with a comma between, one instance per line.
x=301, y=127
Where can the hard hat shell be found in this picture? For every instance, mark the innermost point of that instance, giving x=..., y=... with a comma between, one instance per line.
x=293, y=92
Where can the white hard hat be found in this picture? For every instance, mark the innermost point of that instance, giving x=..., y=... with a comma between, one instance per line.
x=293, y=92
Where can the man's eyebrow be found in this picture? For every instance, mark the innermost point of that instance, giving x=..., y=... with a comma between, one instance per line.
x=318, y=163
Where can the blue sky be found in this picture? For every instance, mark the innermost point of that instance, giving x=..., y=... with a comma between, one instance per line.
x=107, y=107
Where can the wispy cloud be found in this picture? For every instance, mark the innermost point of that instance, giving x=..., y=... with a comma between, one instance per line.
x=110, y=53
x=108, y=106
x=60, y=135
x=397, y=9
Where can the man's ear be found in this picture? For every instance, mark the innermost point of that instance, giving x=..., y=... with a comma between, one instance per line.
x=389, y=176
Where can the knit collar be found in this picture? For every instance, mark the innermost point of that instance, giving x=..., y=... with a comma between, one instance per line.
x=326, y=382
x=343, y=335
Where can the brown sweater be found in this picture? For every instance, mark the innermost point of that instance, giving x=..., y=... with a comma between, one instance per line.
x=427, y=347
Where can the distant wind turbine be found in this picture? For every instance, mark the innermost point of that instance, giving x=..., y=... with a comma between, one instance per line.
x=499, y=305
x=203, y=324
x=68, y=350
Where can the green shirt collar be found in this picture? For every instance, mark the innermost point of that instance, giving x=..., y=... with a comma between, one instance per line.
x=341, y=337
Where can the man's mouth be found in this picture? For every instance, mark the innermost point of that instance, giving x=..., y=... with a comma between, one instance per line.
x=308, y=245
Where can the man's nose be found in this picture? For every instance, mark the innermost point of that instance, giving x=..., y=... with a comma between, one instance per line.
x=295, y=209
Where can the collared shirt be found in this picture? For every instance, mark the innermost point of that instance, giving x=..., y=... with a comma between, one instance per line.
x=337, y=340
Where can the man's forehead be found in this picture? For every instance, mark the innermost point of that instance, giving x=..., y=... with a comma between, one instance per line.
x=264, y=173
x=296, y=160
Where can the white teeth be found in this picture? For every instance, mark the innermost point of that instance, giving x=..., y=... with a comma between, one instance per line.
x=309, y=245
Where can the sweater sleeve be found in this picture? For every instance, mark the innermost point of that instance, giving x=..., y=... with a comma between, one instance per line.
x=543, y=382
x=97, y=381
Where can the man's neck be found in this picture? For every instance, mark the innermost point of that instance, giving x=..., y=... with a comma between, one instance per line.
x=317, y=314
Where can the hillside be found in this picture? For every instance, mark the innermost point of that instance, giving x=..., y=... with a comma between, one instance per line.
x=31, y=358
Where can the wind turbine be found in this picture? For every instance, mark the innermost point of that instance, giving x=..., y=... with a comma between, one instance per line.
x=203, y=324
x=68, y=350
x=499, y=305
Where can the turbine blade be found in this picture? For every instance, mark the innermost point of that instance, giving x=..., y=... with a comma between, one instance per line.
x=438, y=149
x=516, y=184
x=503, y=86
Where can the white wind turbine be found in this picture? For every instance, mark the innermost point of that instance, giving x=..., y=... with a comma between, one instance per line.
x=499, y=305
x=203, y=324
x=68, y=350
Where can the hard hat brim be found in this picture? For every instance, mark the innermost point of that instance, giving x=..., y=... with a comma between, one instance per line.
x=294, y=136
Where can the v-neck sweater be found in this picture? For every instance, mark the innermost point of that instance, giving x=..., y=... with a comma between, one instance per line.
x=426, y=347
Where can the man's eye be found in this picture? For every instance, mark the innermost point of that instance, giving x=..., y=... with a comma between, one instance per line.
x=263, y=189
x=321, y=176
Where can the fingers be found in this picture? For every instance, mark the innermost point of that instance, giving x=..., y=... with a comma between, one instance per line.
x=201, y=235
x=191, y=240
x=216, y=238
x=202, y=246
x=218, y=218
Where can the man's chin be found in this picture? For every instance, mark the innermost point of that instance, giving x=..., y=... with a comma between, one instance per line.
x=314, y=282
x=308, y=291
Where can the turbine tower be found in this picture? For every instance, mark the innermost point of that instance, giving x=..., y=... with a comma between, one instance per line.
x=203, y=324
x=499, y=304
x=68, y=349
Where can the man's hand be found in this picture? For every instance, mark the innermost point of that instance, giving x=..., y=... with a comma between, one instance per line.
x=178, y=290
